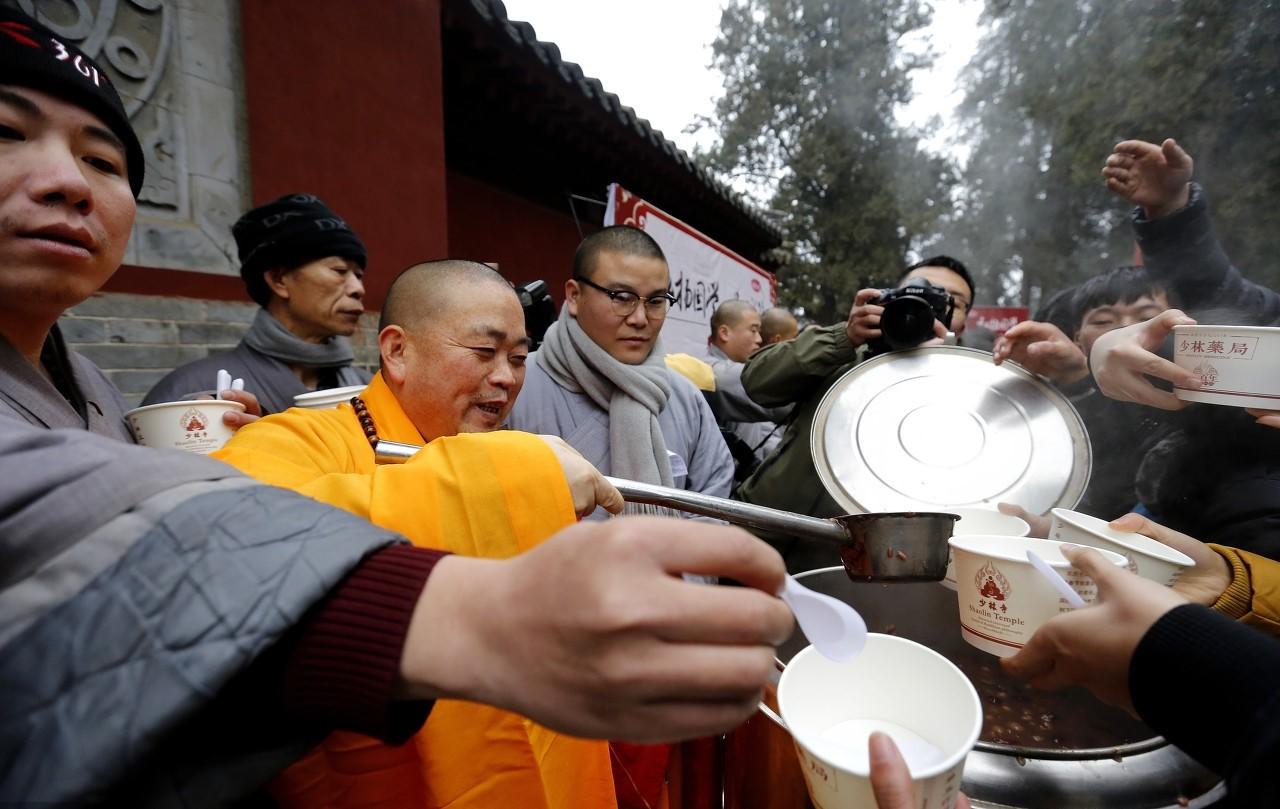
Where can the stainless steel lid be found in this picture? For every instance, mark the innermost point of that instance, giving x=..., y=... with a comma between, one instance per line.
x=945, y=426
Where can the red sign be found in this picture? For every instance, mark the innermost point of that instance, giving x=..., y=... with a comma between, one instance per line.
x=998, y=319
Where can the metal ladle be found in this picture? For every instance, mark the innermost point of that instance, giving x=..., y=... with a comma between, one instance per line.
x=893, y=546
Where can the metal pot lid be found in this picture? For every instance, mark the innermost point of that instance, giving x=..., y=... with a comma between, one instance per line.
x=944, y=426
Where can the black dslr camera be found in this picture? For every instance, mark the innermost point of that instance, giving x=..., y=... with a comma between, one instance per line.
x=539, y=310
x=909, y=312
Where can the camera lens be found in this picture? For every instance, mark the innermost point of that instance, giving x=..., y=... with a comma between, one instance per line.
x=907, y=322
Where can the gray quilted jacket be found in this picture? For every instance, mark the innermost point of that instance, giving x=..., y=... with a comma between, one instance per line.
x=139, y=592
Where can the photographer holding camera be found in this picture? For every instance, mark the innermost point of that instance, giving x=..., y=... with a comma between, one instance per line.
x=932, y=298
x=917, y=312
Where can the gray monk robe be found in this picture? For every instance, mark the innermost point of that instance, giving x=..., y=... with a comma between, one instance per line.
x=147, y=599
x=79, y=395
x=263, y=359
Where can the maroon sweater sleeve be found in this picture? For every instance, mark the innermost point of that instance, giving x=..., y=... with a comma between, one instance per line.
x=343, y=662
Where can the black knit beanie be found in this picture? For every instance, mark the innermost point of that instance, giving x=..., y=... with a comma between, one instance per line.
x=288, y=232
x=33, y=56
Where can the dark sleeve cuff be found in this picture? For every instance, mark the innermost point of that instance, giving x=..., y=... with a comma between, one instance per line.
x=1202, y=680
x=343, y=664
x=1080, y=389
x=1181, y=225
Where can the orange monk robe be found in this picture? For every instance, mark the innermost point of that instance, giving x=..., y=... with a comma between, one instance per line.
x=492, y=495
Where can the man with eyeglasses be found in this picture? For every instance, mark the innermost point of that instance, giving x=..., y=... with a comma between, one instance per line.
x=799, y=372
x=599, y=380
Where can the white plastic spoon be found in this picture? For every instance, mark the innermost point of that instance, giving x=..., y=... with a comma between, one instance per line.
x=223, y=383
x=832, y=626
x=1055, y=578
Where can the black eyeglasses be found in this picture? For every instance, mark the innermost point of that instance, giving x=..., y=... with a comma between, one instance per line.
x=625, y=302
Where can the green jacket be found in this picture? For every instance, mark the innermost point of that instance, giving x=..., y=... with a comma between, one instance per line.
x=798, y=372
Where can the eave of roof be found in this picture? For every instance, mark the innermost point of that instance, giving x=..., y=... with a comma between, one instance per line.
x=522, y=37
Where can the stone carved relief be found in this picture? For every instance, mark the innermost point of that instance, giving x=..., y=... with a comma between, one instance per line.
x=177, y=70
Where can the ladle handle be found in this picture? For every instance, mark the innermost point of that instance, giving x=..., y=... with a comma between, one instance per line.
x=733, y=511
x=390, y=452
x=769, y=712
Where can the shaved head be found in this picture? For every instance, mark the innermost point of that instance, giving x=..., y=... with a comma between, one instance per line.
x=735, y=329
x=621, y=239
x=424, y=292
x=730, y=313
x=777, y=324
x=453, y=347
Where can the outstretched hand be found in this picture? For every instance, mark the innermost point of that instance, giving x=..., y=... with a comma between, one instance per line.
x=1042, y=348
x=587, y=486
x=1123, y=359
x=1205, y=583
x=1092, y=646
x=594, y=633
x=1155, y=177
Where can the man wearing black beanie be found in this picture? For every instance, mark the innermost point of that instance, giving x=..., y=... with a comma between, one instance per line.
x=303, y=265
x=71, y=168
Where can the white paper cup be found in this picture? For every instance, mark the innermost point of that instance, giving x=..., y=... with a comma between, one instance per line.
x=327, y=399
x=896, y=685
x=1003, y=600
x=987, y=521
x=193, y=426
x=1237, y=365
x=1149, y=558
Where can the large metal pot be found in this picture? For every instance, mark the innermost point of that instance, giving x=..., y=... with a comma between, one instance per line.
x=1121, y=763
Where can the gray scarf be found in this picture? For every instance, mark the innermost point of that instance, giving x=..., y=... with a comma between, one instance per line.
x=633, y=395
x=268, y=336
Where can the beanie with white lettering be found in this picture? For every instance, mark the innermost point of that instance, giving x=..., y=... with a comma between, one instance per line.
x=33, y=56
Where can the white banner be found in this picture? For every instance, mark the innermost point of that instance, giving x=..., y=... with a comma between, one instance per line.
x=704, y=273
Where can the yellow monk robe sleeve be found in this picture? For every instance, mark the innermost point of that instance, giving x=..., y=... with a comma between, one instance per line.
x=313, y=452
x=483, y=494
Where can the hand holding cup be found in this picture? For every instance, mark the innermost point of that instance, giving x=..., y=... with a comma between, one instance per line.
x=1092, y=646
x=1122, y=360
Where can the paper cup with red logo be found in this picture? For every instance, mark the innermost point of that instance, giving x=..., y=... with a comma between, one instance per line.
x=1003, y=600
x=895, y=686
x=982, y=521
x=1149, y=558
x=328, y=399
x=194, y=426
x=1236, y=365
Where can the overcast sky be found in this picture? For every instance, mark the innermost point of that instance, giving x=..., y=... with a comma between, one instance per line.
x=656, y=56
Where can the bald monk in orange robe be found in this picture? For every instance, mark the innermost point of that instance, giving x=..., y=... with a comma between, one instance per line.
x=453, y=346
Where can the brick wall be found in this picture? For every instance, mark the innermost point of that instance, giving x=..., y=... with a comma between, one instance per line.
x=137, y=339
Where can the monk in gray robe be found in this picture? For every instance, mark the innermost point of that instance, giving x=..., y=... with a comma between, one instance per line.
x=64, y=390
x=304, y=266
